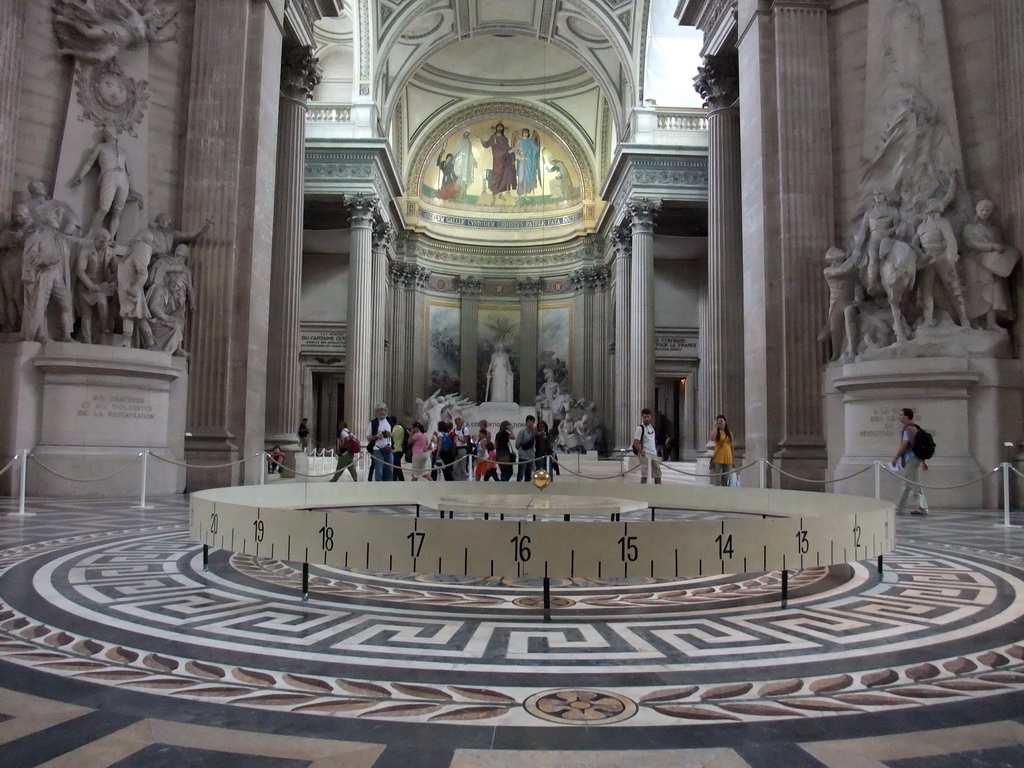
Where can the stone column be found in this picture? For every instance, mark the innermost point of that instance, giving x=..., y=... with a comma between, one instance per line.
x=529, y=293
x=469, y=332
x=721, y=337
x=623, y=358
x=400, y=282
x=362, y=353
x=581, y=365
x=12, y=52
x=228, y=175
x=299, y=76
x=597, y=389
x=641, y=336
x=382, y=378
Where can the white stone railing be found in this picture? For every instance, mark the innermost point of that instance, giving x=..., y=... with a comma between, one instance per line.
x=676, y=126
x=329, y=113
x=332, y=120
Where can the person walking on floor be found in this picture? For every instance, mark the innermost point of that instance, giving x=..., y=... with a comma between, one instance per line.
x=722, y=456
x=645, y=445
x=911, y=463
x=419, y=444
x=346, y=453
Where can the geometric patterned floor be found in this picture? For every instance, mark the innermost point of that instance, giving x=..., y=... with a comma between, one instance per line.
x=117, y=648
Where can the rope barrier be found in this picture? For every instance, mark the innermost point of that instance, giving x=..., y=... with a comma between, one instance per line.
x=81, y=479
x=202, y=466
x=941, y=487
x=819, y=482
x=9, y=465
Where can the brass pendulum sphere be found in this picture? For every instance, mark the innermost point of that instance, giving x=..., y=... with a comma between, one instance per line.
x=541, y=479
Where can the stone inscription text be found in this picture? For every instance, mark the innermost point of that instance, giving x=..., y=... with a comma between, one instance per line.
x=116, y=407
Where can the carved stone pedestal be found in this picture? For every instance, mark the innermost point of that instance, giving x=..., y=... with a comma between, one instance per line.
x=85, y=411
x=972, y=406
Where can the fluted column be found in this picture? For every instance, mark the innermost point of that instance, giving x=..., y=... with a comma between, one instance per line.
x=12, y=53
x=469, y=333
x=721, y=335
x=363, y=352
x=581, y=365
x=529, y=292
x=228, y=175
x=598, y=389
x=401, y=397
x=299, y=76
x=623, y=244
x=382, y=378
x=641, y=334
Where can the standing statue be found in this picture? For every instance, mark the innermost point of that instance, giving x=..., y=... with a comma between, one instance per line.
x=46, y=274
x=987, y=264
x=12, y=290
x=499, y=376
x=95, y=286
x=841, y=327
x=936, y=239
x=132, y=273
x=114, y=185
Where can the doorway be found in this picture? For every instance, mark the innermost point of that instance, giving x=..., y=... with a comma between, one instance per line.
x=669, y=410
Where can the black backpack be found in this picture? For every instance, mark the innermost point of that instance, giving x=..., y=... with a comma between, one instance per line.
x=924, y=444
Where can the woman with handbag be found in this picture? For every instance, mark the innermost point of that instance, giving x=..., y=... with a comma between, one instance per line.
x=722, y=457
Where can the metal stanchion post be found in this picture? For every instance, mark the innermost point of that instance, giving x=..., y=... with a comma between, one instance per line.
x=262, y=457
x=142, y=492
x=762, y=473
x=878, y=479
x=1006, y=497
x=24, y=480
x=469, y=466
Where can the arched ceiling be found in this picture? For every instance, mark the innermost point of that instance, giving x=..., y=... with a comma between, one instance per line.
x=529, y=48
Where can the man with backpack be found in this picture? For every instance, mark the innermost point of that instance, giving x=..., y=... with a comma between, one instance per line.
x=916, y=447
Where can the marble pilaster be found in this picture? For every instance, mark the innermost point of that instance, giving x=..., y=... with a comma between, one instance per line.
x=228, y=175
x=721, y=370
x=363, y=353
x=641, y=335
x=529, y=304
x=12, y=53
x=469, y=317
x=299, y=76
x=805, y=222
x=1009, y=67
x=621, y=274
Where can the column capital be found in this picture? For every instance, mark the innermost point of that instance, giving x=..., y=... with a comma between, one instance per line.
x=529, y=286
x=470, y=286
x=300, y=71
x=718, y=81
x=383, y=235
x=622, y=240
x=361, y=209
x=642, y=213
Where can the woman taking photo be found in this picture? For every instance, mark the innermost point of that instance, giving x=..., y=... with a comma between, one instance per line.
x=722, y=458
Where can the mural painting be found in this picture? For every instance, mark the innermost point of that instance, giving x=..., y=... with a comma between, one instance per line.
x=501, y=163
x=553, y=324
x=498, y=327
x=444, y=348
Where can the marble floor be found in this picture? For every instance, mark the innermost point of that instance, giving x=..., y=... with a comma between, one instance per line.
x=120, y=647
